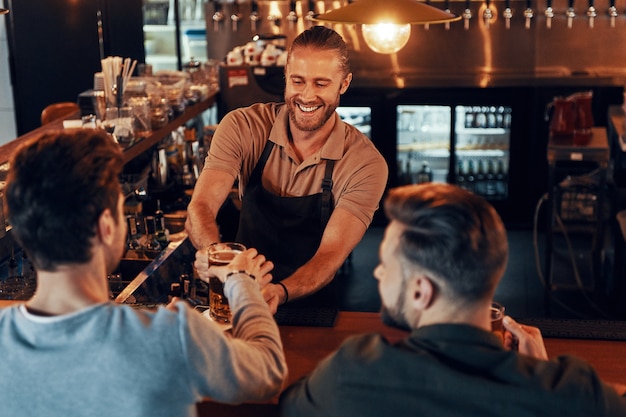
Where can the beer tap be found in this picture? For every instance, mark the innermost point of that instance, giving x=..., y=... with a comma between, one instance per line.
x=467, y=15
x=591, y=14
x=528, y=13
x=487, y=13
x=447, y=10
x=218, y=16
x=275, y=19
x=311, y=13
x=292, y=17
x=254, y=15
x=507, y=13
x=570, y=13
x=549, y=14
x=236, y=16
x=612, y=13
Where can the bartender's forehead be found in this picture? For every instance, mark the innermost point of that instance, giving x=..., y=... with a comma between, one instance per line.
x=312, y=59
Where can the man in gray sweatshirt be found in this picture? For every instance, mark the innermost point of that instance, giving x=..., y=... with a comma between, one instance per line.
x=69, y=350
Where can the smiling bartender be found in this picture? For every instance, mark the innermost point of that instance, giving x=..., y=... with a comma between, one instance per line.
x=310, y=182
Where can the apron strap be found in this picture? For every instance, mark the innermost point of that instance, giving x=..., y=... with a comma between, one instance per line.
x=269, y=145
x=327, y=195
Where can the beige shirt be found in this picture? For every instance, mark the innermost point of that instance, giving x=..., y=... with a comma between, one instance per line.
x=360, y=172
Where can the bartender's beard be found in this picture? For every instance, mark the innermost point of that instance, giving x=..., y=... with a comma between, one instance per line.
x=310, y=124
x=395, y=315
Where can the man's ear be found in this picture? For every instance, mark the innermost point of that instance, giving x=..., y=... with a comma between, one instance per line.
x=106, y=227
x=422, y=291
x=345, y=83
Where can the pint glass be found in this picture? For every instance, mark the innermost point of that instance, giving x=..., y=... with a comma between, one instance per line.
x=497, y=316
x=221, y=254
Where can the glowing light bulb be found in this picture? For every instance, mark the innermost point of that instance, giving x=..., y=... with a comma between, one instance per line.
x=386, y=38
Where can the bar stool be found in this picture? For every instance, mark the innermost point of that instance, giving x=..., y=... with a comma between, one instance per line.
x=57, y=110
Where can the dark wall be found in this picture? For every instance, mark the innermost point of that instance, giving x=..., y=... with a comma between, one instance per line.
x=54, y=49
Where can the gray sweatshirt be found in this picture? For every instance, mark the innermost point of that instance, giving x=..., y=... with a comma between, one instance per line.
x=113, y=360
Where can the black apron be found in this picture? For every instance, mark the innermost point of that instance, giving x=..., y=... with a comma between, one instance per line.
x=287, y=230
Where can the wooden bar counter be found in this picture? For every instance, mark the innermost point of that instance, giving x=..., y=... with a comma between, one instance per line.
x=306, y=346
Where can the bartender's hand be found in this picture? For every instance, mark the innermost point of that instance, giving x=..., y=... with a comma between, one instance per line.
x=528, y=339
x=201, y=264
x=274, y=296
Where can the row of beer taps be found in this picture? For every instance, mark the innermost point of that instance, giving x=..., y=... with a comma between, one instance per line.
x=255, y=18
x=488, y=14
x=549, y=13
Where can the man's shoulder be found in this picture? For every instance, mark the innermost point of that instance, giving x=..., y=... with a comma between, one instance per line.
x=359, y=143
x=363, y=346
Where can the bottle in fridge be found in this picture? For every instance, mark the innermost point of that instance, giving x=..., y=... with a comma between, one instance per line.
x=423, y=143
x=482, y=138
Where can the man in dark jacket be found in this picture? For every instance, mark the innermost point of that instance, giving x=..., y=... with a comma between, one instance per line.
x=443, y=254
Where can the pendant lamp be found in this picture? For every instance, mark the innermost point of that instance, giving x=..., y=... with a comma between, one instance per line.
x=386, y=25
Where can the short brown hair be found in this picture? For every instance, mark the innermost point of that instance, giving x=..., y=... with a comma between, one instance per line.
x=452, y=233
x=57, y=187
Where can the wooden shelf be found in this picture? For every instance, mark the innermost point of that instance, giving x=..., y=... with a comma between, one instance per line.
x=131, y=152
x=143, y=144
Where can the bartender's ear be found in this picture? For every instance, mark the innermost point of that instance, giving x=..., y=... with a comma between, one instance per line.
x=345, y=83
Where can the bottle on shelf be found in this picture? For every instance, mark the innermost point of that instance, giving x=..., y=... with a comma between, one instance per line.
x=425, y=174
x=502, y=180
x=470, y=177
x=491, y=117
x=490, y=180
x=159, y=230
x=500, y=117
x=469, y=117
x=481, y=184
x=152, y=242
x=506, y=121
x=408, y=175
x=460, y=175
x=134, y=234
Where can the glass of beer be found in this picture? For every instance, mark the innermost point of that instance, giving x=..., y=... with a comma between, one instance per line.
x=497, y=316
x=221, y=254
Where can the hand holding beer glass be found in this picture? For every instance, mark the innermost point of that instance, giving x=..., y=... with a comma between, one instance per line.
x=225, y=258
x=497, y=315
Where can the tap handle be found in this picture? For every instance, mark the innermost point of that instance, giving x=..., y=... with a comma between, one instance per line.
x=549, y=15
x=292, y=16
x=235, y=17
x=427, y=25
x=507, y=14
x=254, y=15
x=218, y=16
x=311, y=13
x=487, y=13
x=570, y=13
x=591, y=14
x=612, y=13
x=446, y=6
x=467, y=15
x=528, y=13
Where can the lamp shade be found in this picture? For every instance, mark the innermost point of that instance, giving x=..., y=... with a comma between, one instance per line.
x=397, y=12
